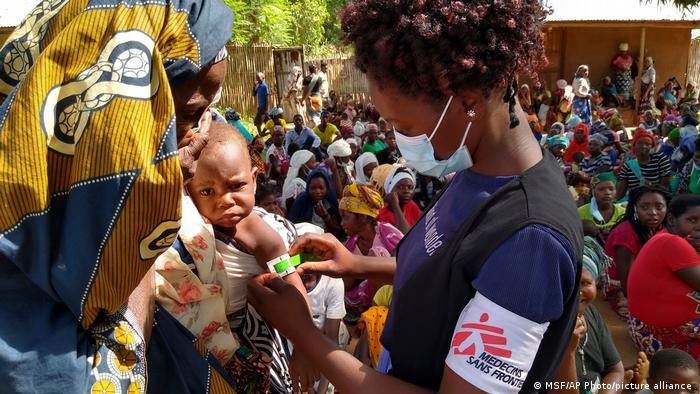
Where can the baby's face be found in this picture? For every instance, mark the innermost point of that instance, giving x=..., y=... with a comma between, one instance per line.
x=223, y=186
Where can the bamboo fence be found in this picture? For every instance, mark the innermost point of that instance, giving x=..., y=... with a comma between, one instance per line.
x=694, y=62
x=245, y=61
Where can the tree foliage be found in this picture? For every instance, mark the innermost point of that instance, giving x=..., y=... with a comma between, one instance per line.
x=310, y=23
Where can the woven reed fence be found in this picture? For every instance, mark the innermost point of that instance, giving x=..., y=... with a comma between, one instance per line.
x=694, y=61
x=245, y=61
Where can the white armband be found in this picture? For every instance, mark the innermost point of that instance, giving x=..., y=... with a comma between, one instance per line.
x=492, y=347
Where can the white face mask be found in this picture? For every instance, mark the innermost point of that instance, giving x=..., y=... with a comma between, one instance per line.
x=420, y=154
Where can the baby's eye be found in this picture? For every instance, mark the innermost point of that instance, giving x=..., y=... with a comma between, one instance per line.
x=206, y=192
x=236, y=186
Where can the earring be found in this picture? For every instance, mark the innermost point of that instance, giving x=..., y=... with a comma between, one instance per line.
x=471, y=114
x=635, y=215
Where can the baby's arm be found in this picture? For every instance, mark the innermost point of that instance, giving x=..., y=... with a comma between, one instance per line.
x=266, y=244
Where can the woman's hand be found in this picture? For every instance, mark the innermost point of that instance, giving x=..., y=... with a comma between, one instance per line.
x=190, y=153
x=335, y=259
x=393, y=200
x=281, y=305
x=321, y=211
x=579, y=333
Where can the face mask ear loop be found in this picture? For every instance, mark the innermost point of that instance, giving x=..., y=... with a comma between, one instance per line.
x=444, y=111
x=470, y=115
x=466, y=132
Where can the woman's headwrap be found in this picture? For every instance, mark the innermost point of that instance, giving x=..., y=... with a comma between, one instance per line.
x=339, y=148
x=298, y=159
x=603, y=177
x=562, y=84
x=359, y=129
x=674, y=133
x=296, y=70
x=580, y=68
x=396, y=175
x=642, y=134
x=573, y=121
x=558, y=140
x=590, y=266
x=360, y=164
x=351, y=141
x=557, y=128
x=361, y=199
x=575, y=145
x=594, y=258
x=379, y=176
x=599, y=138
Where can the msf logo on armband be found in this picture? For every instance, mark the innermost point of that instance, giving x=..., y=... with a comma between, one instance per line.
x=485, y=349
x=479, y=337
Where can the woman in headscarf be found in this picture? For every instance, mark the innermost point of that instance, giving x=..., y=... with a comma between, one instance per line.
x=647, y=167
x=650, y=123
x=578, y=144
x=364, y=165
x=663, y=284
x=318, y=205
x=561, y=103
x=645, y=216
x=647, y=87
x=689, y=177
x=690, y=97
x=301, y=164
x=557, y=146
x=114, y=88
x=582, y=93
x=341, y=152
x=594, y=357
x=602, y=209
x=400, y=210
x=622, y=64
x=294, y=89
x=525, y=98
x=368, y=236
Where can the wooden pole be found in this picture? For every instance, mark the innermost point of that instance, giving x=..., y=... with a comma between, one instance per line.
x=642, y=49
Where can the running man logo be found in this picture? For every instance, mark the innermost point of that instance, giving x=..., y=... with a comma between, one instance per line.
x=479, y=337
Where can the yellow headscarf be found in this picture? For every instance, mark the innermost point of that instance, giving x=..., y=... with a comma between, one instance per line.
x=361, y=199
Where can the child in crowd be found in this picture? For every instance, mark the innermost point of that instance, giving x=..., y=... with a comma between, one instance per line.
x=266, y=198
x=672, y=371
x=318, y=204
x=326, y=295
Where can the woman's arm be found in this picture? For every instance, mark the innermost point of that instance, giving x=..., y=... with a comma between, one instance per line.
x=347, y=373
x=613, y=377
x=623, y=262
x=401, y=222
x=691, y=276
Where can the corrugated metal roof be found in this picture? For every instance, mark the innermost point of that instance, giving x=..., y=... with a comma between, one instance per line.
x=12, y=12
x=617, y=11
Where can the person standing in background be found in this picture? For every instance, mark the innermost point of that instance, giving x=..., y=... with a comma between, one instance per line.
x=323, y=74
x=262, y=93
x=294, y=88
x=646, y=100
x=622, y=64
x=312, y=93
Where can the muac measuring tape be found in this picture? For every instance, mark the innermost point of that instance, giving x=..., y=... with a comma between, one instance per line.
x=285, y=264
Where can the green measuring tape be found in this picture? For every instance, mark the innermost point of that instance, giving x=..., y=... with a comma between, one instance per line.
x=285, y=265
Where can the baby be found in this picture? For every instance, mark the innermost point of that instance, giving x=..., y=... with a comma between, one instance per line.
x=223, y=190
